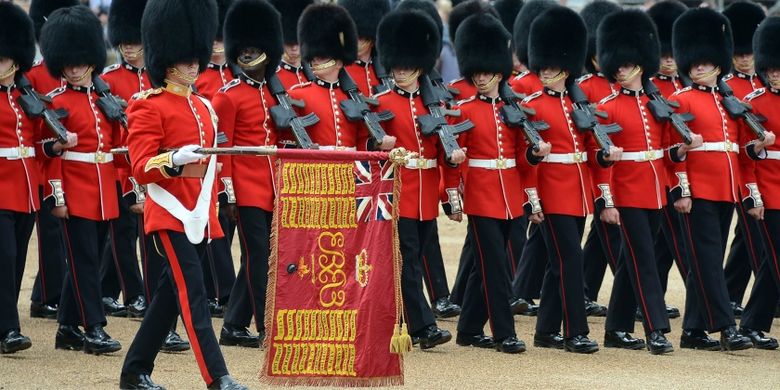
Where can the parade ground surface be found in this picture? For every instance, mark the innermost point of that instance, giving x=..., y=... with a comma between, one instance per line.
x=445, y=367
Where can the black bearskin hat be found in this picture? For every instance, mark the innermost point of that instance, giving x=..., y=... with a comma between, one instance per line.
x=507, y=11
x=558, y=39
x=427, y=7
x=522, y=26
x=766, y=45
x=592, y=14
x=72, y=36
x=664, y=14
x=175, y=31
x=17, y=36
x=464, y=10
x=291, y=11
x=744, y=16
x=702, y=35
x=408, y=39
x=366, y=14
x=124, y=21
x=326, y=30
x=628, y=37
x=41, y=9
x=483, y=45
x=222, y=8
x=254, y=23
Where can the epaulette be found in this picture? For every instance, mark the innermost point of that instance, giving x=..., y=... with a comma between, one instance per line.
x=56, y=92
x=143, y=95
x=532, y=96
x=456, y=80
x=467, y=100
x=728, y=77
x=111, y=68
x=37, y=62
x=686, y=89
x=584, y=77
x=385, y=92
x=301, y=85
x=611, y=96
x=229, y=85
x=522, y=74
x=755, y=94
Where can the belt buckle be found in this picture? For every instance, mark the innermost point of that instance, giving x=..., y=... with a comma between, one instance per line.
x=22, y=151
x=649, y=155
x=500, y=163
x=577, y=156
x=100, y=157
x=728, y=145
x=421, y=163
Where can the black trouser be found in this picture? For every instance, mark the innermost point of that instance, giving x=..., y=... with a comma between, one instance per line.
x=488, y=285
x=747, y=250
x=563, y=291
x=153, y=267
x=637, y=267
x=602, y=248
x=248, y=296
x=119, y=266
x=15, y=231
x=527, y=281
x=218, y=269
x=81, y=301
x=180, y=291
x=706, y=229
x=673, y=239
x=51, y=256
x=434, y=275
x=465, y=263
x=760, y=308
x=413, y=236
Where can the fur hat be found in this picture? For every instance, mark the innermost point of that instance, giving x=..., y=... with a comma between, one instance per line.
x=744, y=16
x=592, y=14
x=222, y=7
x=408, y=39
x=522, y=27
x=558, y=39
x=254, y=23
x=124, y=21
x=427, y=7
x=72, y=36
x=507, y=11
x=664, y=13
x=702, y=35
x=766, y=44
x=483, y=45
x=41, y=9
x=291, y=11
x=628, y=37
x=175, y=31
x=17, y=36
x=366, y=14
x=464, y=10
x=326, y=30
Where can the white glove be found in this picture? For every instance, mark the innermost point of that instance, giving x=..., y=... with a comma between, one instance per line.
x=186, y=155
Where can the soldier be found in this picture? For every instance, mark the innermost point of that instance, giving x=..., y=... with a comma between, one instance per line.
x=218, y=73
x=709, y=181
x=366, y=14
x=253, y=43
x=179, y=211
x=507, y=12
x=465, y=89
x=291, y=71
x=527, y=82
x=119, y=265
x=72, y=43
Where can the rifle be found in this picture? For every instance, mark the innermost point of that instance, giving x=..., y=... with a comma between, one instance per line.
x=381, y=73
x=663, y=111
x=285, y=117
x=235, y=150
x=584, y=115
x=514, y=116
x=112, y=106
x=34, y=106
x=739, y=110
x=446, y=93
x=435, y=122
x=356, y=108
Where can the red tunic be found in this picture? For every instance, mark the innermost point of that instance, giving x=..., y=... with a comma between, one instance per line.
x=242, y=107
x=42, y=82
x=19, y=177
x=526, y=83
x=766, y=103
x=668, y=85
x=596, y=87
x=465, y=89
x=89, y=187
x=160, y=120
x=419, y=187
x=364, y=75
x=290, y=75
x=742, y=83
x=212, y=79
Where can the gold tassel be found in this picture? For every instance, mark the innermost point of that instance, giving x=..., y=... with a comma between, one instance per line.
x=405, y=341
x=395, y=346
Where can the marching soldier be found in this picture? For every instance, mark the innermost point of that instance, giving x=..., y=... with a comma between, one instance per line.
x=527, y=82
x=253, y=42
x=72, y=43
x=291, y=71
x=218, y=73
x=366, y=14
x=179, y=212
x=459, y=13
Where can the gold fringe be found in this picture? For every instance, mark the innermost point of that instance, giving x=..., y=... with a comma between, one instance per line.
x=273, y=263
x=397, y=380
x=398, y=342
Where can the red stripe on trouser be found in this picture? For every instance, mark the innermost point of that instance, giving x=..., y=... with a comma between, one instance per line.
x=120, y=276
x=484, y=282
x=608, y=245
x=41, y=267
x=749, y=238
x=771, y=244
x=675, y=243
x=75, y=279
x=145, y=259
x=638, y=279
x=561, y=281
x=184, y=304
x=245, y=250
x=695, y=262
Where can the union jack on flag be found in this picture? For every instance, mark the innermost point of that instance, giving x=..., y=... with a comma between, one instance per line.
x=374, y=190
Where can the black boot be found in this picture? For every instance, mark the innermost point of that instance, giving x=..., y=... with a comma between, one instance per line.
x=98, y=342
x=232, y=335
x=698, y=339
x=624, y=340
x=759, y=340
x=432, y=336
x=580, y=344
x=444, y=308
x=137, y=382
x=510, y=344
x=731, y=340
x=658, y=344
x=43, y=310
x=136, y=308
x=226, y=383
x=113, y=308
x=13, y=341
x=594, y=309
x=476, y=340
x=69, y=337
x=548, y=340
x=174, y=343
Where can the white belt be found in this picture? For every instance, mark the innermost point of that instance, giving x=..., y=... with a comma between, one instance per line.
x=501, y=163
x=421, y=163
x=91, y=158
x=772, y=155
x=726, y=146
x=647, y=155
x=566, y=158
x=17, y=152
x=333, y=147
